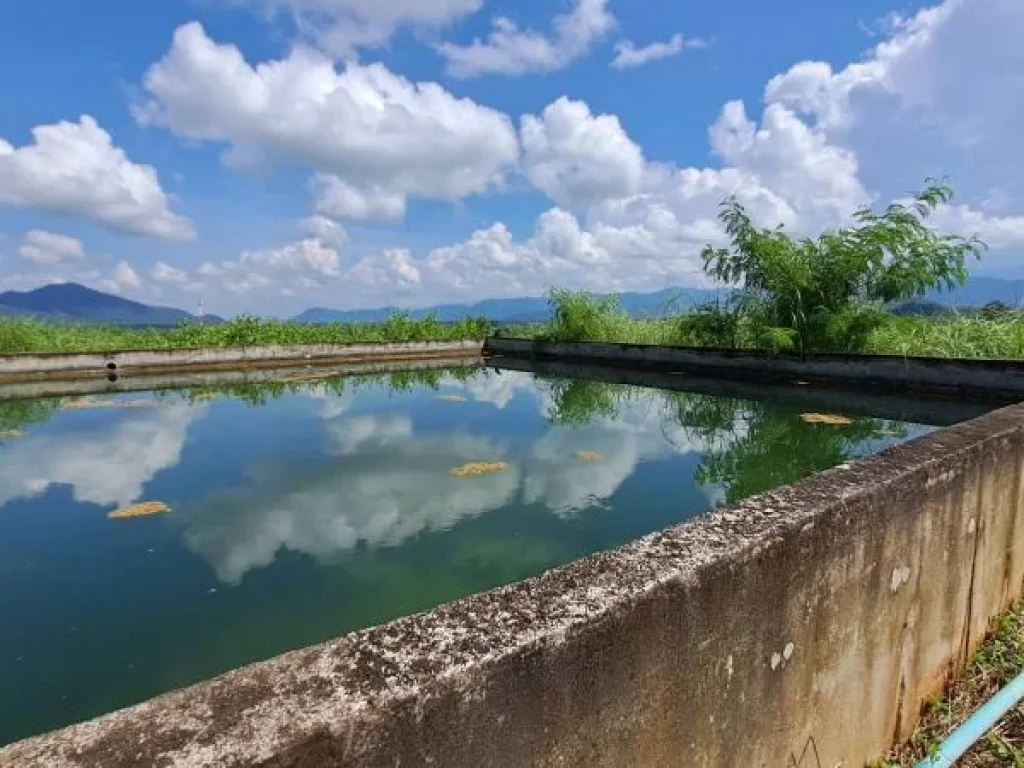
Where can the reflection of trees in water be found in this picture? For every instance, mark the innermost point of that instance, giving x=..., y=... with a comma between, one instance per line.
x=575, y=402
x=748, y=446
x=774, y=446
x=15, y=415
x=257, y=394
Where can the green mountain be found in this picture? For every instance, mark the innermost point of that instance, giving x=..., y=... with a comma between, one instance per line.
x=71, y=302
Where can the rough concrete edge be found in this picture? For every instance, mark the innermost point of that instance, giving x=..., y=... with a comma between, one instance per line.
x=502, y=343
x=252, y=713
x=964, y=377
x=31, y=366
x=171, y=379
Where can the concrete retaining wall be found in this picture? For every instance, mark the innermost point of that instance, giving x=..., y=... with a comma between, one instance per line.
x=964, y=378
x=29, y=366
x=168, y=379
x=805, y=627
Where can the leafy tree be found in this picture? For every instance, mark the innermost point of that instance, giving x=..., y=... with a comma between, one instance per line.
x=826, y=292
x=995, y=310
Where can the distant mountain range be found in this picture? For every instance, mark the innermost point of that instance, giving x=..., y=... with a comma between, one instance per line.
x=976, y=292
x=518, y=310
x=71, y=302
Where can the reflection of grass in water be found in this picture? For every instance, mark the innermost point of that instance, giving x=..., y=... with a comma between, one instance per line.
x=15, y=415
x=144, y=509
x=477, y=468
x=825, y=418
x=327, y=382
x=589, y=456
x=10, y=434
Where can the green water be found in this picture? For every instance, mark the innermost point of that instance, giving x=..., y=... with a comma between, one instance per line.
x=302, y=512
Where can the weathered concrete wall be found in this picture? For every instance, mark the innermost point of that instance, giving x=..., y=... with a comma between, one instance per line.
x=965, y=378
x=167, y=379
x=21, y=367
x=805, y=627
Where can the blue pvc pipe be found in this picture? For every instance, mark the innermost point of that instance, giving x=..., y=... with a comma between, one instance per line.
x=977, y=725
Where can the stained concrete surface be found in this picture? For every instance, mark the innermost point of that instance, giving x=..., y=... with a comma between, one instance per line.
x=886, y=373
x=31, y=366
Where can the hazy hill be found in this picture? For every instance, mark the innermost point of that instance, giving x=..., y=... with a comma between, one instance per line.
x=977, y=292
x=524, y=309
x=76, y=303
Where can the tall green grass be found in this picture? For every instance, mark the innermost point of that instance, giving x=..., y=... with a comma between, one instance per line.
x=584, y=317
x=27, y=335
x=575, y=316
x=956, y=336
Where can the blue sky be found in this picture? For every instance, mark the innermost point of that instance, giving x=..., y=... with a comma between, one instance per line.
x=270, y=155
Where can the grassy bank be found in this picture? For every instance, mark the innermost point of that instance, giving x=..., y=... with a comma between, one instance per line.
x=953, y=336
x=999, y=660
x=17, y=335
x=579, y=317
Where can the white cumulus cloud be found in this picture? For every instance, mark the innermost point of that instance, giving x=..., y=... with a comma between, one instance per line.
x=47, y=249
x=340, y=26
x=382, y=137
x=75, y=169
x=126, y=278
x=510, y=50
x=628, y=56
x=577, y=158
x=311, y=254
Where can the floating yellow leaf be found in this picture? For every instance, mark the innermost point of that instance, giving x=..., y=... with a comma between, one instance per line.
x=9, y=434
x=825, y=418
x=589, y=456
x=140, y=510
x=452, y=398
x=475, y=468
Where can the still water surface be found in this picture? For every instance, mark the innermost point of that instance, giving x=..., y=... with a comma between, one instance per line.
x=304, y=511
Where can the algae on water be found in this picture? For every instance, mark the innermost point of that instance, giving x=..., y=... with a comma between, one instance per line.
x=825, y=418
x=589, y=456
x=299, y=378
x=143, y=509
x=95, y=402
x=452, y=398
x=477, y=468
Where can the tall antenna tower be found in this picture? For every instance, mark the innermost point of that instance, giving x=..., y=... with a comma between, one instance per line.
x=200, y=314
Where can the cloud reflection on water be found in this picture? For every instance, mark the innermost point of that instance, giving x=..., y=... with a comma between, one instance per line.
x=389, y=484
x=107, y=464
